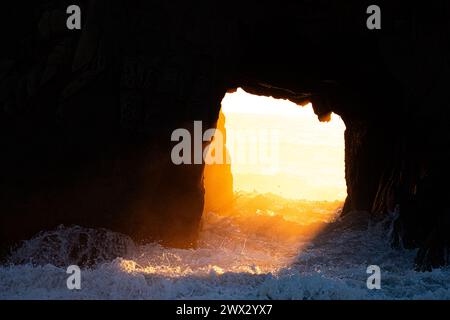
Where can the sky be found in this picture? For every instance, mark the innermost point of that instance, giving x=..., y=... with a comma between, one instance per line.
x=279, y=147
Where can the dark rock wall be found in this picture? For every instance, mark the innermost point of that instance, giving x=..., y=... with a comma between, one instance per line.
x=86, y=116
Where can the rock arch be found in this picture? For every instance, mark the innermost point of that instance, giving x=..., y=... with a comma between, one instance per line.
x=86, y=116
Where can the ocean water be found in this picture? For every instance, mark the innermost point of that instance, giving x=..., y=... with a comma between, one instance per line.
x=262, y=247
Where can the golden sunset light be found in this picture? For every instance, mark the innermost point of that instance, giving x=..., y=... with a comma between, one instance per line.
x=279, y=147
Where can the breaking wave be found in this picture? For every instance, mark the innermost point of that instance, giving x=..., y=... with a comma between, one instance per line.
x=261, y=247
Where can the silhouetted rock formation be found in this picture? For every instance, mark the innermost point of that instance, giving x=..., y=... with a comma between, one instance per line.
x=217, y=177
x=86, y=117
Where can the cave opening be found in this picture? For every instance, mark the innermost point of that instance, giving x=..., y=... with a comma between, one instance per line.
x=284, y=174
x=273, y=146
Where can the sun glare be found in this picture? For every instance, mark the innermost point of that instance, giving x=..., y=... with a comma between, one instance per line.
x=278, y=147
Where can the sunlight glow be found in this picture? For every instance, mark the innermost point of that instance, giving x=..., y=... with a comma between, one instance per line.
x=283, y=184
x=304, y=158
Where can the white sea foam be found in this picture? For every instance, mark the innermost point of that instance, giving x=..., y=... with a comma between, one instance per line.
x=251, y=254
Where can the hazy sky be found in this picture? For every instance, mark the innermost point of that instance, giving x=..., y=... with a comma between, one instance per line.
x=277, y=146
